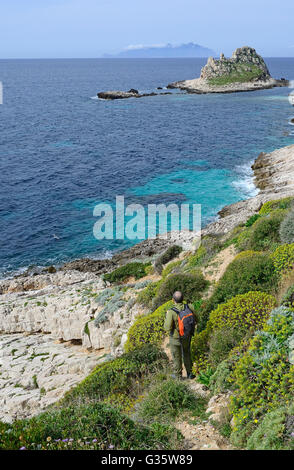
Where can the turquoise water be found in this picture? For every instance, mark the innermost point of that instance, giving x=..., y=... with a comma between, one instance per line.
x=62, y=150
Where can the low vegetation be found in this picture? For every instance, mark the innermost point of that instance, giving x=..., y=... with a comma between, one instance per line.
x=136, y=270
x=148, y=329
x=244, y=345
x=191, y=285
x=245, y=72
x=171, y=253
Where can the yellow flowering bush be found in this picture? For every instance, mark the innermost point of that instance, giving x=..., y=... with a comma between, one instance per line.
x=245, y=311
x=270, y=206
x=147, y=329
x=241, y=314
x=122, y=401
x=283, y=258
x=264, y=376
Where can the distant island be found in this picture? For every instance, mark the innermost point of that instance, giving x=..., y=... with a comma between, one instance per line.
x=163, y=51
x=244, y=71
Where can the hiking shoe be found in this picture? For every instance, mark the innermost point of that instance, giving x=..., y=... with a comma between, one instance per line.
x=191, y=376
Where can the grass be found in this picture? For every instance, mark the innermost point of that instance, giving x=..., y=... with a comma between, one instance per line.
x=168, y=398
x=238, y=75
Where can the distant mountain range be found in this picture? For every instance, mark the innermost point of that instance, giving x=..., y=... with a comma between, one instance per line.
x=163, y=51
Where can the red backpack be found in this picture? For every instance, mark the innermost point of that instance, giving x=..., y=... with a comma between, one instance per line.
x=187, y=322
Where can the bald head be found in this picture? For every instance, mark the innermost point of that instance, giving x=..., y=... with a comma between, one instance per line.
x=178, y=297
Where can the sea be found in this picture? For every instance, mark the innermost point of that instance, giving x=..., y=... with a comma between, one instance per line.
x=63, y=150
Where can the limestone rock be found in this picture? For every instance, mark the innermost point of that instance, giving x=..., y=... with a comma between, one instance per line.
x=218, y=407
x=244, y=59
x=36, y=371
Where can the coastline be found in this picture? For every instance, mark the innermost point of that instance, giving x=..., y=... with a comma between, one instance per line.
x=270, y=176
x=47, y=327
x=202, y=87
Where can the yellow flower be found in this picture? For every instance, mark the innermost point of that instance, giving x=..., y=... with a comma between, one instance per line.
x=256, y=420
x=48, y=439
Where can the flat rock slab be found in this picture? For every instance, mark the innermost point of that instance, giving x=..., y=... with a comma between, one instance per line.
x=36, y=371
x=119, y=95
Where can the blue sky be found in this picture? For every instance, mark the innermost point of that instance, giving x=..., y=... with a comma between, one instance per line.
x=89, y=28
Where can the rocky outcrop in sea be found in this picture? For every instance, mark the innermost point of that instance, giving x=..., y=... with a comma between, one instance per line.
x=119, y=95
x=244, y=71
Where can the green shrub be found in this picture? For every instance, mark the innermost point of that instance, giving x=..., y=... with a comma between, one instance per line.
x=283, y=258
x=167, y=400
x=191, y=285
x=288, y=299
x=205, y=376
x=93, y=426
x=116, y=376
x=198, y=258
x=219, y=381
x=252, y=219
x=199, y=344
x=270, y=206
x=249, y=271
x=148, y=329
x=210, y=246
x=229, y=323
x=265, y=231
x=243, y=313
x=243, y=240
x=221, y=342
x=287, y=228
x=171, y=268
x=238, y=73
x=264, y=376
x=146, y=296
x=171, y=253
x=136, y=270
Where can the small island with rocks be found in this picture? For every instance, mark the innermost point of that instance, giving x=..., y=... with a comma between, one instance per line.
x=132, y=93
x=244, y=71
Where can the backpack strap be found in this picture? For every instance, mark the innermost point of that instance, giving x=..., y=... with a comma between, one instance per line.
x=175, y=310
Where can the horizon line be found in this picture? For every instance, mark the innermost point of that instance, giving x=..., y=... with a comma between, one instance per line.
x=125, y=58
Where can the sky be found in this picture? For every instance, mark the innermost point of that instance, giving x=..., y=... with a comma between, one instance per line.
x=89, y=28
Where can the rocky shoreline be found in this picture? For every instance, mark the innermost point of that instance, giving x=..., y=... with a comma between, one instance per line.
x=120, y=95
x=201, y=87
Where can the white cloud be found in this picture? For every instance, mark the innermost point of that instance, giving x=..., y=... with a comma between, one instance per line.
x=132, y=47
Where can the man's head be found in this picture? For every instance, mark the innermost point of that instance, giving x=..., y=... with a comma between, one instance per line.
x=178, y=297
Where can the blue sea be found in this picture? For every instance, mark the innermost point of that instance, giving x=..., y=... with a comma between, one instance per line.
x=62, y=150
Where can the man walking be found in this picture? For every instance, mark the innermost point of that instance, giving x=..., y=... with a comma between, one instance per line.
x=180, y=340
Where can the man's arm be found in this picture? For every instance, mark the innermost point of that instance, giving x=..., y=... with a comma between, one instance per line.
x=169, y=323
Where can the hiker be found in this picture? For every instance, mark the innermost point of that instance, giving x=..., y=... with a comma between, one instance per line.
x=180, y=323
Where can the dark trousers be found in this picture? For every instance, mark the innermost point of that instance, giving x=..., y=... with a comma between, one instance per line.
x=181, y=351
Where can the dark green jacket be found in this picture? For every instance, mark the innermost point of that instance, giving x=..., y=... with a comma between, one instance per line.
x=171, y=325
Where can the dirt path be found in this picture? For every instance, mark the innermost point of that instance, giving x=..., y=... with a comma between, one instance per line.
x=217, y=267
x=204, y=436
x=201, y=436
